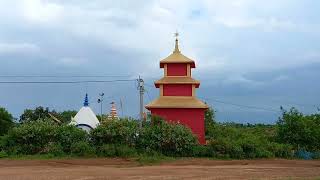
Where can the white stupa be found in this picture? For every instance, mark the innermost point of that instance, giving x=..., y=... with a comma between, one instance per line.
x=85, y=118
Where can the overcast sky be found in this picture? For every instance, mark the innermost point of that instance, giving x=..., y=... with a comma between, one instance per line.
x=252, y=56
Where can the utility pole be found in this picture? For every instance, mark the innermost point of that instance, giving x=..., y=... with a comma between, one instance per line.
x=100, y=100
x=141, y=92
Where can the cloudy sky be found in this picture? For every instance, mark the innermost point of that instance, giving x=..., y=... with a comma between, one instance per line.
x=252, y=56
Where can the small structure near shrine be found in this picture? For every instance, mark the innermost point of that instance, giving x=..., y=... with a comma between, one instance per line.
x=178, y=101
x=85, y=118
x=113, y=112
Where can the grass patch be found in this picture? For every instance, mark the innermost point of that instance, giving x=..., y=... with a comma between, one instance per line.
x=37, y=157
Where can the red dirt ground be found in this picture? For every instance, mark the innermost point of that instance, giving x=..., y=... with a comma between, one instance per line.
x=88, y=169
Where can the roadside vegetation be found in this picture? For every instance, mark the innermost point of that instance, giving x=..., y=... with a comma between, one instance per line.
x=295, y=135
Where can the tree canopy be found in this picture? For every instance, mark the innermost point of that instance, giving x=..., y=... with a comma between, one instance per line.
x=6, y=121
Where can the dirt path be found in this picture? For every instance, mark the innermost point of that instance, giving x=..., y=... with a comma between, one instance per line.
x=87, y=169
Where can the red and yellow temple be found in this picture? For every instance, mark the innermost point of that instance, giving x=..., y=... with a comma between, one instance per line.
x=178, y=101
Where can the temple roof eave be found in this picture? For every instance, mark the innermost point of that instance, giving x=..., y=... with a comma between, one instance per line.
x=177, y=80
x=177, y=57
x=177, y=102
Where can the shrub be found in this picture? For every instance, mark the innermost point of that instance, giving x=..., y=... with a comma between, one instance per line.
x=3, y=154
x=201, y=151
x=30, y=138
x=107, y=150
x=125, y=151
x=82, y=149
x=115, y=132
x=167, y=138
x=66, y=135
x=316, y=155
x=299, y=130
x=39, y=136
x=55, y=149
x=281, y=150
x=223, y=148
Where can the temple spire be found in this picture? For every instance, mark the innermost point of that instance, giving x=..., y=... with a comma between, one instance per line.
x=176, y=48
x=86, y=101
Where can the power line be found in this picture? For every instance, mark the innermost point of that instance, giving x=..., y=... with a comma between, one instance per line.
x=59, y=76
x=244, y=106
x=66, y=82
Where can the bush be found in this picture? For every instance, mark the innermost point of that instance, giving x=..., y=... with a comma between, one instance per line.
x=82, y=149
x=3, y=154
x=223, y=148
x=38, y=136
x=107, y=150
x=167, y=138
x=281, y=150
x=66, y=135
x=299, y=130
x=30, y=138
x=125, y=151
x=201, y=151
x=55, y=149
x=116, y=150
x=115, y=132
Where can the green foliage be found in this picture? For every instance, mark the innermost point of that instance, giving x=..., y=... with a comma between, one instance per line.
x=6, y=121
x=3, y=154
x=115, y=132
x=281, y=150
x=67, y=135
x=229, y=140
x=55, y=149
x=33, y=115
x=65, y=116
x=37, y=136
x=302, y=131
x=201, y=151
x=166, y=138
x=107, y=150
x=124, y=138
x=43, y=113
x=31, y=138
x=82, y=149
x=125, y=151
x=116, y=150
x=209, y=119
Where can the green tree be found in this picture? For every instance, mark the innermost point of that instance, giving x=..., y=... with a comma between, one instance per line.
x=34, y=115
x=6, y=121
x=209, y=119
x=65, y=116
x=302, y=131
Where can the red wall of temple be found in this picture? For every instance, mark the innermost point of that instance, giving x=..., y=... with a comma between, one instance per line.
x=177, y=90
x=193, y=118
x=175, y=69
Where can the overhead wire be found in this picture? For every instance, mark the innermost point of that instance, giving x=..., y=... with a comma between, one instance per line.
x=66, y=82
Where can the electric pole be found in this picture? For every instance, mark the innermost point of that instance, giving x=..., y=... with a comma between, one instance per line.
x=100, y=100
x=141, y=92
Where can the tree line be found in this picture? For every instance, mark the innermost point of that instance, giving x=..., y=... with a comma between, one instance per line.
x=294, y=135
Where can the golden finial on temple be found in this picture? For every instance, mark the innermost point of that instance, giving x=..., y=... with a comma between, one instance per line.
x=176, y=49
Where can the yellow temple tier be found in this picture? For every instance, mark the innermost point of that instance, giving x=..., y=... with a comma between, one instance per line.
x=177, y=80
x=177, y=57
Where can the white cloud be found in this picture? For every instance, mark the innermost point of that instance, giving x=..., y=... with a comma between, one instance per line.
x=16, y=48
x=38, y=11
x=147, y=27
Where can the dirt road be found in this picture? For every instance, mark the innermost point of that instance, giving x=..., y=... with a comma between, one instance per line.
x=87, y=169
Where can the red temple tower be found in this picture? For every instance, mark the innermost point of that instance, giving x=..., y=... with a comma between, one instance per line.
x=178, y=101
